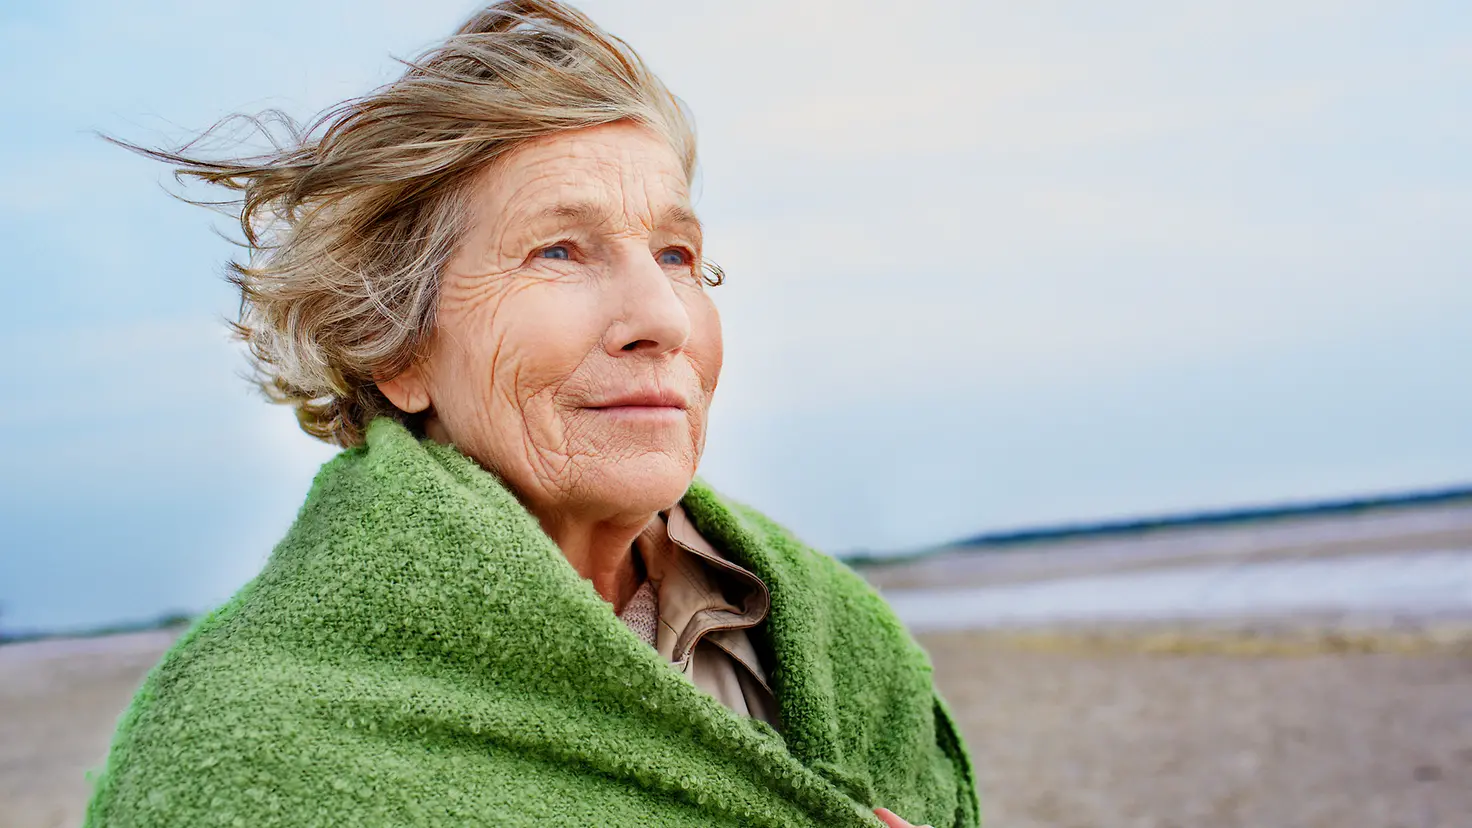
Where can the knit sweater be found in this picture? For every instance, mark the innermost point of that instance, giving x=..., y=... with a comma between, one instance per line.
x=418, y=652
x=642, y=614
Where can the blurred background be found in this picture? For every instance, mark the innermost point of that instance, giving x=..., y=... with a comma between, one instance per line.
x=1123, y=346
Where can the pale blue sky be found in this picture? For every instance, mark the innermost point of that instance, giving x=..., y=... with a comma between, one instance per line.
x=990, y=265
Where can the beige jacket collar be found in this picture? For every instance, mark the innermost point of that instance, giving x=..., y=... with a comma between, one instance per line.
x=702, y=595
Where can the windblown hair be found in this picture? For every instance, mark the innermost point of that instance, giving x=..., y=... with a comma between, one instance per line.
x=350, y=221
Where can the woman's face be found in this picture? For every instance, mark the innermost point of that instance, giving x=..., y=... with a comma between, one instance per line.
x=576, y=349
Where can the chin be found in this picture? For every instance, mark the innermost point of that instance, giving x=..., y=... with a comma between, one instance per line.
x=640, y=484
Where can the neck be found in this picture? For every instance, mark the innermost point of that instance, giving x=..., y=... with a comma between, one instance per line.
x=600, y=551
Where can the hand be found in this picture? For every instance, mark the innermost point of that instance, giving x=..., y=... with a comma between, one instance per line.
x=891, y=819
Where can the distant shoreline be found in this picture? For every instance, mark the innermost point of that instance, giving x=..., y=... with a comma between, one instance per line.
x=988, y=541
x=889, y=570
x=176, y=621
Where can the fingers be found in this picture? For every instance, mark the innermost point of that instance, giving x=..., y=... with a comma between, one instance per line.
x=890, y=819
x=893, y=820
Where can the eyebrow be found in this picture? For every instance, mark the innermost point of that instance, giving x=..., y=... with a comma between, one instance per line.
x=679, y=214
x=590, y=213
x=578, y=212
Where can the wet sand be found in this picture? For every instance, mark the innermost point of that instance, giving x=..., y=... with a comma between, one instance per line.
x=1066, y=731
x=1300, y=538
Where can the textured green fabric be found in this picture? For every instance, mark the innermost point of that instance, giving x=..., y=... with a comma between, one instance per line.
x=418, y=652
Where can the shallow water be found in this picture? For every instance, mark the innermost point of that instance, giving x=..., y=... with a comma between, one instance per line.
x=1415, y=584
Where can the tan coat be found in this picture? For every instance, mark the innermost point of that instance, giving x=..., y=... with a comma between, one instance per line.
x=706, y=608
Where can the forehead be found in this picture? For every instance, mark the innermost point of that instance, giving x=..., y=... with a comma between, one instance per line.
x=623, y=167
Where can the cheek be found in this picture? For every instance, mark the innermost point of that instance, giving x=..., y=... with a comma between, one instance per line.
x=532, y=344
x=706, y=347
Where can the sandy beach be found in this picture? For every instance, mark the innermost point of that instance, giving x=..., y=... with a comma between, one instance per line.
x=1345, y=716
x=1073, y=739
x=1088, y=736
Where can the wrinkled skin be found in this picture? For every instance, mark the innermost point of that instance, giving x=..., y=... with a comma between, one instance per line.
x=577, y=284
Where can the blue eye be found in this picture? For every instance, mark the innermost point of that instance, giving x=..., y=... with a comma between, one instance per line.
x=674, y=257
x=556, y=251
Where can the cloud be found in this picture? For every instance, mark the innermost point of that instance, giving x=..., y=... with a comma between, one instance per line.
x=134, y=400
x=860, y=81
x=139, y=458
x=989, y=264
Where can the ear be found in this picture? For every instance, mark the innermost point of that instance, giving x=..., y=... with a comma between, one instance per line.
x=408, y=391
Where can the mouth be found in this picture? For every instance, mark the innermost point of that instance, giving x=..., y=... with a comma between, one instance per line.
x=654, y=400
x=645, y=409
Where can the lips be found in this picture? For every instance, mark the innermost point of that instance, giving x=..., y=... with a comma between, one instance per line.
x=661, y=398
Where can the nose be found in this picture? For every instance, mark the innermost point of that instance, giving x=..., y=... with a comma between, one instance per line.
x=651, y=319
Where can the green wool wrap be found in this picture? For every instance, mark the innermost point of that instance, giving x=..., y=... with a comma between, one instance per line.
x=418, y=652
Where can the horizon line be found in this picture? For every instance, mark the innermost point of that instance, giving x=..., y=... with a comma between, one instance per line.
x=1174, y=520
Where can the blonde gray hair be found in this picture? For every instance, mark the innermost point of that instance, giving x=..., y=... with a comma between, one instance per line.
x=349, y=222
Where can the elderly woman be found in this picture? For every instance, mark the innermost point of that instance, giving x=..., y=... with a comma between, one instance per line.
x=509, y=601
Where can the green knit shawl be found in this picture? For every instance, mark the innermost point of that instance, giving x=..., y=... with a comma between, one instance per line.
x=417, y=651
